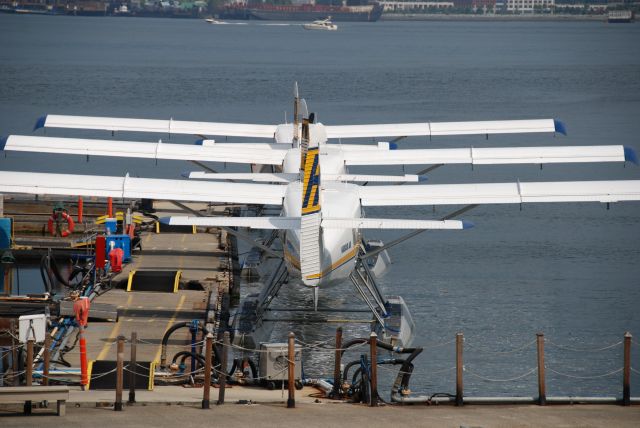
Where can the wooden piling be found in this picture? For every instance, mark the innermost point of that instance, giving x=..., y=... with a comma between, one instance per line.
x=459, y=369
x=14, y=353
x=119, y=379
x=133, y=367
x=291, y=401
x=542, y=387
x=206, y=390
x=29, y=373
x=337, y=372
x=222, y=376
x=626, y=372
x=46, y=360
x=373, y=348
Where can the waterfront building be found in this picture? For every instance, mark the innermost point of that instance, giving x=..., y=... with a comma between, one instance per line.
x=530, y=6
x=413, y=6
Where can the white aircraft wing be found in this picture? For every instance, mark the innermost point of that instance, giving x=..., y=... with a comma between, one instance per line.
x=493, y=156
x=136, y=188
x=266, y=154
x=251, y=222
x=501, y=193
x=445, y=128
x=328, y=223
x=386, y=223
x=154, y=125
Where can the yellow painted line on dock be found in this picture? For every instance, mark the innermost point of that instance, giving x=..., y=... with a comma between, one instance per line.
x=169, y=324
x=113, y=335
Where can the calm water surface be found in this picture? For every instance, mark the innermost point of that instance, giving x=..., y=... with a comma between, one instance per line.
x=568, y=270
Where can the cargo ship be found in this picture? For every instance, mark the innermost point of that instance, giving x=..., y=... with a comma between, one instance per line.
x=367, y=12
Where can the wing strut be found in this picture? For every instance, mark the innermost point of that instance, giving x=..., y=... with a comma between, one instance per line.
x=414, y=233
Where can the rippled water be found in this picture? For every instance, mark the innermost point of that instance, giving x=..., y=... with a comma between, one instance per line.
x=568, y=270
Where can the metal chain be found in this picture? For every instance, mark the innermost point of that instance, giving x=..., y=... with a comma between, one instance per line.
x=533, y=370
x=585, y=377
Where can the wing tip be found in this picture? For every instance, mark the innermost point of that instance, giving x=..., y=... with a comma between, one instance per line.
x=165, y=220
x=40, y=122
x=559, y=126
x=422, y=178
x=393, y=146
x=199, y=142
x=467, y=224
x=629, y=155
x=3, y=142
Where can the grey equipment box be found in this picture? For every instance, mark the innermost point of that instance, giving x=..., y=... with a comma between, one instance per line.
x=274, y=364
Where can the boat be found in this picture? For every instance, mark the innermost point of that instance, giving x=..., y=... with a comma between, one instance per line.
x=214, y=21
x=321, y=24
x=619, y=16
x=366, y=12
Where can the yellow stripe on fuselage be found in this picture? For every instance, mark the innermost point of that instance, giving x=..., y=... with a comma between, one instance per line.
x=311, y=183
x=344, y=259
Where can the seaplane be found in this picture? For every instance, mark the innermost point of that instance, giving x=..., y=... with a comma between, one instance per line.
x=303, y=167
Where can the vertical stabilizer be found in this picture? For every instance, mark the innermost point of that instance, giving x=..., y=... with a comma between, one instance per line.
x=310, y=242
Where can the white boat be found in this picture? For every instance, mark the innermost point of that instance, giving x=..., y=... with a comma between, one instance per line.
x=321, y=24
x=214, y=21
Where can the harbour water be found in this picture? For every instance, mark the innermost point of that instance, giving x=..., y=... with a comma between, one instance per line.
x=568, y=270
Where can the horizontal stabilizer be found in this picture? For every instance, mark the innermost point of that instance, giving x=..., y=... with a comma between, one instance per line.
x=250, y=222
x=501, y=193
x=492, y=156
x=136, y=188
x=153, y=125
x=289, y=177
x=445, y=128
x=268, y=154
x=263, y=177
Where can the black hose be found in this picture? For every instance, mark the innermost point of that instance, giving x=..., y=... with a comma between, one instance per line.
x=165, y=339
x=187, y=354
x=44, y=273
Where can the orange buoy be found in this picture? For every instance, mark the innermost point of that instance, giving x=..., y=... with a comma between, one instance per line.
x=54, y=218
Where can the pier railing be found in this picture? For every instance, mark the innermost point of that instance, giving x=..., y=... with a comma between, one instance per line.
x=212, y=357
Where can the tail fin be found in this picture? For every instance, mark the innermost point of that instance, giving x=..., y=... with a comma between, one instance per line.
x=310, y=239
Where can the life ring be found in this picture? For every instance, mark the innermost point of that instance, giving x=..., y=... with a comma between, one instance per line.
x=54, y=218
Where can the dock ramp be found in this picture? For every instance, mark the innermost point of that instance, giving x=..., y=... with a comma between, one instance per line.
x=154, y=280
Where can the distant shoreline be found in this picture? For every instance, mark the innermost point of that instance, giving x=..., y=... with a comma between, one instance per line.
x=469, y=17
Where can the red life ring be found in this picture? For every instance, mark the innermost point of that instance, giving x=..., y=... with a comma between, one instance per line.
x=54, y=218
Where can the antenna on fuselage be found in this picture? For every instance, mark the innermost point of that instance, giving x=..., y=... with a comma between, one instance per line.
x=296, y=118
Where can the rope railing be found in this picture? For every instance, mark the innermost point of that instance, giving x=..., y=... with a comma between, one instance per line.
x=585, y=377
x=511, y=351
x=568, y=348
x=529, y=372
